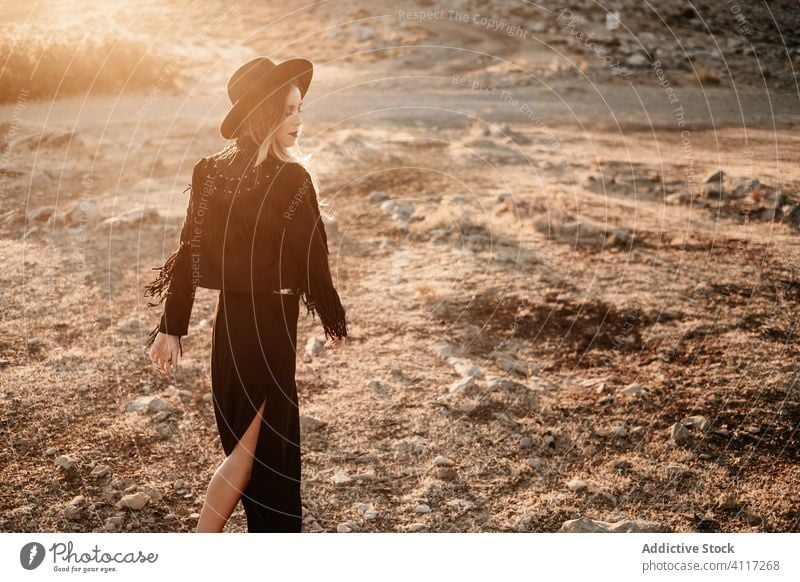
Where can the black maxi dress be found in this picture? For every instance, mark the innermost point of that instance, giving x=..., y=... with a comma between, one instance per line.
x=254, y=335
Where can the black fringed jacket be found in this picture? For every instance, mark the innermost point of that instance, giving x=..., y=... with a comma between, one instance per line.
x=248, y=228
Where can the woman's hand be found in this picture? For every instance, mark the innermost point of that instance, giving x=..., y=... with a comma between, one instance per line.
x=335, y=343
x=164, y=352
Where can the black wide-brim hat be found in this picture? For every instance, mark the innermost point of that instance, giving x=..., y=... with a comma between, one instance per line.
x=254, y=81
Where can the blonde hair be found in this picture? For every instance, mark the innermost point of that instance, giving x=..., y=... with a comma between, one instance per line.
x=261, y=126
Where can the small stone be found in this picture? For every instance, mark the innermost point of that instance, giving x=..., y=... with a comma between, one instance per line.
x=153, y=493
x=310, y=424
x=727, y=501
x=365, y=476
x=636, y=60
x=378, y=196
x=526, y=442
x=535, y=462
x=577, y=485
x=617, y=431
x=343, y=528
x=462, y=503
x=416, y=526
x=341, y=478
x=634, y=391
x=315, y=347
x=461, y=385
x=148, y=404
x=51, y=452
x=442, y=349
x=370, y=514
x=65, y=463
x=99, y=471
x=446, y=473
x=697, y=421
x=587, y=525
x=441, y=461
x=422, y=508
x=465, y=368
x=134, y=501
x=83, y=213
x=679, y=434
x=511, y=364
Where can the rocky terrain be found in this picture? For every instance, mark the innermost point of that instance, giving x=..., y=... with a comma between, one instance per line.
x=566, y=233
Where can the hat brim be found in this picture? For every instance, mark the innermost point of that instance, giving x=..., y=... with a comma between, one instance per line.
x=297, y=71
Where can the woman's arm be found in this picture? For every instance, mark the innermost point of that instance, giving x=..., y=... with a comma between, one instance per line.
x=304, y=232
x=175, y=284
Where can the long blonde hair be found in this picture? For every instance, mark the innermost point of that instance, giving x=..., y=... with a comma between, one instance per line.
x=261, y=125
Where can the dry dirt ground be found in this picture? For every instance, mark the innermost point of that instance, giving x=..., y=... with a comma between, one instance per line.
x=556, y=318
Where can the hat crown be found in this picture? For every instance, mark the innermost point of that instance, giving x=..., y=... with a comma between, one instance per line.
x=247, y=76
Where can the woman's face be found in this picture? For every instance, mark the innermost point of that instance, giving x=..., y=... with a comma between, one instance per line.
x=292, y=124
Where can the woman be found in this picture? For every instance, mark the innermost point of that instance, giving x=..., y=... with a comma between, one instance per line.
x=253, y=231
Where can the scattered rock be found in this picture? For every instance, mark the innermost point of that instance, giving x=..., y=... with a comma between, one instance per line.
x=587, y=525
x=617, y=431
x=99, y=471
x=378, y=196
x=52, y=451
x=461, y=385
x=341, y=478
x=727, y=501
x=697, y=421
x=577, y=485
x=310, y=424
x=153, y=493
x=634, y=391
x=713, y=185
x=442, y=349
x=132, y=218
x=679, y=434
x=462, y=504
x=65, y=463
x=148, y=404
x=511, y=364
x=72, y=513
x=84, y=212
x=134, y=501
x=441, y=461
x=378, y=388
x=365, y=476
x=446, y=473
x=636, y=60
x=422, y=508
x=465, y=368
x=315, y=347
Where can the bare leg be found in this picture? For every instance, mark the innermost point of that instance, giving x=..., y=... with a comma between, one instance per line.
x=230, y=480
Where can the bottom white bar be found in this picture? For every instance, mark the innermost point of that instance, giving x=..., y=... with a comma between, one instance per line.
x=395, y=556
